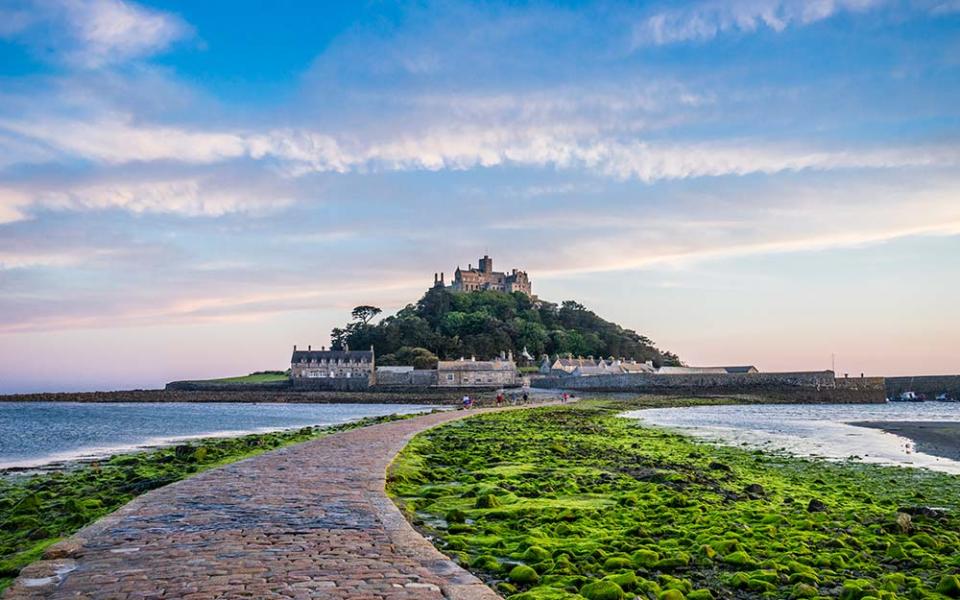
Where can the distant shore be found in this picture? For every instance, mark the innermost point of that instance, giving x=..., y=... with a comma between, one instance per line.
x=448, y=397
x=937, y=438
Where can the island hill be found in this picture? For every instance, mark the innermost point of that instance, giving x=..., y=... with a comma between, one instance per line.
x=487, y=330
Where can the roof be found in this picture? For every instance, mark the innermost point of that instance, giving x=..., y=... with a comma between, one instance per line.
x=636, y=367
x=705, y=370
x=576, y=362
x=476, y=365
x=317, y=355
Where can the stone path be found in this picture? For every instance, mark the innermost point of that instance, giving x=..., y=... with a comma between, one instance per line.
x=307, y=521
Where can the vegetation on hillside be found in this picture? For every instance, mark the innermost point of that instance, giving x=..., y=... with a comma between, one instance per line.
x=575, y=503
x=257, y=377
x=448, y=325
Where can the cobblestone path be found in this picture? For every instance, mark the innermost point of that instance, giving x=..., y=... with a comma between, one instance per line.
x=307, y=521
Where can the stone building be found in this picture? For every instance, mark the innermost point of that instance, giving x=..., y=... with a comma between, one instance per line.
x=499, y=372
x=485, y=278
x=333, y=364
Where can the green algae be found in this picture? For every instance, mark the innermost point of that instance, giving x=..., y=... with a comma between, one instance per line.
x=585, y=497
x=39, y=510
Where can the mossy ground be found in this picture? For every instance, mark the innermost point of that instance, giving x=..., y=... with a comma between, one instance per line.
x=602, y=507
x=37, y=511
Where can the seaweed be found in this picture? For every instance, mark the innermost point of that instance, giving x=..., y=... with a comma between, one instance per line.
x=599, y=506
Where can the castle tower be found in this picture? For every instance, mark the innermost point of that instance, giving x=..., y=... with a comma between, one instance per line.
x=486, y=264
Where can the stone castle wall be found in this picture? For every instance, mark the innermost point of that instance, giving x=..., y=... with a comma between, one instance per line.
x=417, y=377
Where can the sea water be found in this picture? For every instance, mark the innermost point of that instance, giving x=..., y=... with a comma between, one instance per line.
x=814, y=430
x=37, y=434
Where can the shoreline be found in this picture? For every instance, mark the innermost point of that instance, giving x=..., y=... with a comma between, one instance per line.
x=85, y=456
x=936, y=438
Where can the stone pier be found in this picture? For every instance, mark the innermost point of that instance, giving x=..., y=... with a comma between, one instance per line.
x=307, y=521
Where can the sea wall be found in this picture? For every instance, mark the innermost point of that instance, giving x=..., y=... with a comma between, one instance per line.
x=417, y=377
x=929, y=385
x=809, y=386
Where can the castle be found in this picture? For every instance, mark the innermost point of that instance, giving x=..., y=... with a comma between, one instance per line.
x=485, y=278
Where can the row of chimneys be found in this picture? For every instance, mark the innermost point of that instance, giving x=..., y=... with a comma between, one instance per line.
x=437, y=281
x=346, y=348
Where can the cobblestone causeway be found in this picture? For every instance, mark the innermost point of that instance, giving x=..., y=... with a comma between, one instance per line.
x=307, y=521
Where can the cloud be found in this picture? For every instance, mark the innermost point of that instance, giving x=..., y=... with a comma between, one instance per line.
x=704, y=21
x=185, y=197
x=91, y=34
x=120, y=140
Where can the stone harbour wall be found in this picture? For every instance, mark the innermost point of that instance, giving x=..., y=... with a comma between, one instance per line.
x=808, y=386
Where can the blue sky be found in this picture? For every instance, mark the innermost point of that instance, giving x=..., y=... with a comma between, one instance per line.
x=189, y=188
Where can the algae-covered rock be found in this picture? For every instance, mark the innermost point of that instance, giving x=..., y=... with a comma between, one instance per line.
x=486, y=562
x=602, y=590
x=740, y=559
x=455, y=516
x=523, y=574
x=671, y=595
x=949, y=585
x=644, y=558
x=617, y=562
x=627, y=581
x=535, y=554
x=680, y=559
x=804, y=590
x=546, y=593
x=701, y=594
x=487, y=501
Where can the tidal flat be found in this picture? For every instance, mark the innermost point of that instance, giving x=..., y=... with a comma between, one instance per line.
x=43, y=508
x=574, y=502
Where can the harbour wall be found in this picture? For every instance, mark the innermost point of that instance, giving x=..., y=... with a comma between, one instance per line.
x=807, y=386
x=929, y=385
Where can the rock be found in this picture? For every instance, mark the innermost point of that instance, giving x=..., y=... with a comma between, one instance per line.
x=456, y=516
x=804, y=590
x=603, y=590
x=755, y=490
x=487, y=501
x=616, y=563
x=719, y=466
x=644, y=559
x=65, y=549
x=931, y=512
x=816, y=506
x=701, y=594
x=904, y=522
x=523, y=574
x=671, y=595
x=949, y=586
x=535, y=554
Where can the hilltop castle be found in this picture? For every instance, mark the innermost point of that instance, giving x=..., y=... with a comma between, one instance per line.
x=485, y=278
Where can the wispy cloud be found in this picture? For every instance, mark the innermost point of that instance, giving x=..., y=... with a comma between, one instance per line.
x=706, y=20
x=91, y=34
x=297, y=152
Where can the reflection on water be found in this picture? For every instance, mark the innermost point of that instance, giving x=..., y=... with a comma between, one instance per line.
x=34, y=434
x=819, y=430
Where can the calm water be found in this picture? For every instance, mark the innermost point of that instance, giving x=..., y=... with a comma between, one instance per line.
x=33, y=434
x=812, y=430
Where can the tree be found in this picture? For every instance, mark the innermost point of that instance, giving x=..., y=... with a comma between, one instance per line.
x=364, y=313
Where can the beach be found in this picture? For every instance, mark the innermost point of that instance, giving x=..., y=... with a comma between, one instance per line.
x=937, y=438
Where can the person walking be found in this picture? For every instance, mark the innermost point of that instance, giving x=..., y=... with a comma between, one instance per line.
x=466, y=401
x=499, y=399
x=525, y=397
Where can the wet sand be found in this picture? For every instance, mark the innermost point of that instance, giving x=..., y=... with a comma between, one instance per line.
x=938, y=438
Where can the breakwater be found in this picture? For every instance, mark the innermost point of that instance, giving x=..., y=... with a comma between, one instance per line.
x=805, y=386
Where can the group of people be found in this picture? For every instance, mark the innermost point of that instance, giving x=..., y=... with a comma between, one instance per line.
x=501, y=399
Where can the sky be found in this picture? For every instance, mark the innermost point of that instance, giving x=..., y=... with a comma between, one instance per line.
x=187, y=189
